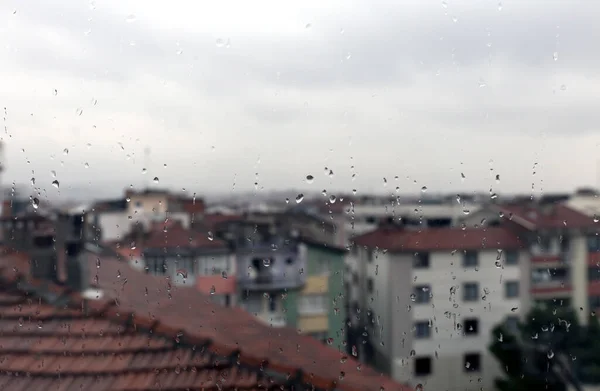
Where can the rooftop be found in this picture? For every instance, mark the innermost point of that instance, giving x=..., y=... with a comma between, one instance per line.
x=144, y=333
x=552, y=216
x=440, y=239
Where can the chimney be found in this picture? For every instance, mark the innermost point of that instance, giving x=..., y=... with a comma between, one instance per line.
x=77, y=266
x=70, y=239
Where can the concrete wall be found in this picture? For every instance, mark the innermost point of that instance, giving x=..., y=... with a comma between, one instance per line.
x=115, y=225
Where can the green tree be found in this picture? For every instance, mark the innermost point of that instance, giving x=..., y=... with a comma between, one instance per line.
x=548, y=351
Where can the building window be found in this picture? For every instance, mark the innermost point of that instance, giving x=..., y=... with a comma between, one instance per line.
x=593, y=274
x=470, y=259
x=312, y=304
x=422, y=366
x=471, y=326
x=422, y=294
x=370, y=285
x=511, y=258
x=593, y=243
x=369, y=255
x=511, y=289
x=512, y=324
x=594, y=302
x=323, y=267
x=421, y=261
x=471, y=291
x=472, y=362
x=214, y=266
x=422, y=330
x=156, y=266
x=544, y=242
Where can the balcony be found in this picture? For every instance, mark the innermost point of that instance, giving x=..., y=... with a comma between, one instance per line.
x=270, y=281
x=273, y=319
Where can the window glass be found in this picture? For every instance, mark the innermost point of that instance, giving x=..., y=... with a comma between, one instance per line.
x=422, y=294
x=422, y=329
x=471, y=291
x=422, y=366
x=470, y=259
x=511, y=289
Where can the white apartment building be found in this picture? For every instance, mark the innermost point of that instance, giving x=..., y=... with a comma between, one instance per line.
x=432, y=299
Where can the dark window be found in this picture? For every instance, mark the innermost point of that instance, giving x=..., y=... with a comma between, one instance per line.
x=593, y=243
x=472, y=362
x=422, y=366
x=272, y=304
x=422, y=329
x=470, y=259
x=593, y=274
x=421, y=261
x=511, y=289
x=512, y=324
x=512, y=258
x=227, y=300
x=594, y=302
x=471, y=291
x=564, y=244
x=544, y=242
x=422, y=294
x=289, y=261
x=369, y=255
x=471, y=327
x=370, y=285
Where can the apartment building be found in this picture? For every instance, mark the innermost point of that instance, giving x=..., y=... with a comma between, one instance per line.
x=114, y=219
x=187, y=258
x=431, y=297
x=288, y=278
x=563, y=251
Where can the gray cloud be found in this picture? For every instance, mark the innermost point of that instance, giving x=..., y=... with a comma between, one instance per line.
x=396, y=75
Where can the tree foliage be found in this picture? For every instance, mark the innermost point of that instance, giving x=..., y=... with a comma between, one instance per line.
x=547, y=351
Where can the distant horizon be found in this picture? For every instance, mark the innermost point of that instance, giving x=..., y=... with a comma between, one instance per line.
x=83, y=193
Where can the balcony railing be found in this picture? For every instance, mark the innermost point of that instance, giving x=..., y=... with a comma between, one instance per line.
x=271, y=281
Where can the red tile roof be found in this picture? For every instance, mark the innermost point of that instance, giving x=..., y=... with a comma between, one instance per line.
x=173, y=234
x=547, y=217
x=212, y=220
x=146, y=334
x=433, y=239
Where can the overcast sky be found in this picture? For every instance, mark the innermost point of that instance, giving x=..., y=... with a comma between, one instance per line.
x=220, y=91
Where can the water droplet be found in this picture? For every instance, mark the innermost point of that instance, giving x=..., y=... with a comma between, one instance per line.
x=310, y=179
x=144, y=171
x=55, y=183
x=210, y=236
x=299, y=198
x=308, y=25
x=266, y=262
x=413, y=353
x=156, y=179
x=32, y=181
x=462, y=176
x=550, y=354
x=444, y=4
x=596, y=219
x=563, y=87
x=332, y=199
x=79, y=111
x=424, y=189
x=55, y=92
x=212, y=290
x=220, y=42
x=53, y=173
x=66, y=151
x=35, y=202
x=224, y=274
x=499, y=6
x=86, y=165
x=514, y=309
x=131, y=18
x=413, y=297
x=348, y=56
x=482, y=83
x=497, y=178
x=555, y=56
